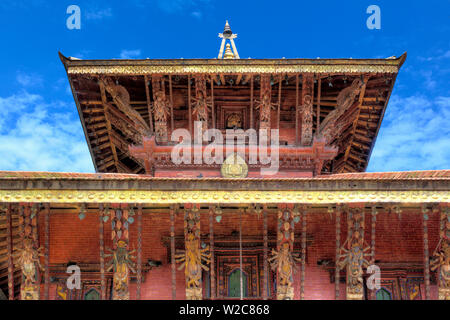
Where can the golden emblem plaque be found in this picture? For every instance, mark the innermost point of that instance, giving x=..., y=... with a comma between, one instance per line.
x=234, y=167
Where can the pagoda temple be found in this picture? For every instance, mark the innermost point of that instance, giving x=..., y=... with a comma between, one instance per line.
x=284, y=211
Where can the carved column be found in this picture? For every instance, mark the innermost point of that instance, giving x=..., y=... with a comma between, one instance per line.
x=139, y=253
x=282, y=260
x=307, y=109
x=29, y=254
x=103, y=215
x=9, y=248
x=200, y=103
x=195, y=257
x=265, y=103
x=121, y=257
x=338, y=247
x=172, y=253
x=441, y=255
x=160, y=109
x=352, y=254
x=265, y=255
x=47, y=251
x=426, y=252
x=211, y=246
x=303, y=257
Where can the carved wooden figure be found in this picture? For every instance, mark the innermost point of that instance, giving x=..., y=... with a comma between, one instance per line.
x=194, y=258
x=121, y=258
x=330, y=127
x=265, y=104
x=283, y=260
x=353, y=254
x=202, y=104
x=307, y=109
x=441, y=256
x=121, y=99
x=29, y=254
x=121, y=263
x=160, y=108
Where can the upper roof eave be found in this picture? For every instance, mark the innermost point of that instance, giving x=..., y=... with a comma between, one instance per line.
x=389, y=65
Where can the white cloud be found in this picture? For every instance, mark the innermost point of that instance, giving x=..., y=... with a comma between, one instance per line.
x=415, y=135
x=29, y=79
x=40, y=136
x=442, y=55
x=130, y=54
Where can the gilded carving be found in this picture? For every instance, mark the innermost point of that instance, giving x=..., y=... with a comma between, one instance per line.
x=160, y=109
x=234, y=167
x=307, y=109
x=195, y=257
x=388, y=67
x=352, y=254
x=283, y=260
x=217, y=196
x=441, y=256
x=265, y=105
x=28, y=260
x=201, y=102
x=121, y=261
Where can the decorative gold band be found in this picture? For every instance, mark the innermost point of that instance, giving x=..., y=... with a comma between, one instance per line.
x=235, y=197
x=231, y=69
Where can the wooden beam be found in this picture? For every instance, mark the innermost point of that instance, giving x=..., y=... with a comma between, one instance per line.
x=297, y=142
x=172, y=253
x=251, y=102
x=139, y=253
x=10, y=252
x=102, y=253
x=279, y=103
x=319, y=92
x=265, y=254
x=355, y=122
x=108, y=124
x=149, y=104
x=47, y=250
x=213, y=111
x=238, y=79
x=189, y=105
x=211, y=248
x=172, y=127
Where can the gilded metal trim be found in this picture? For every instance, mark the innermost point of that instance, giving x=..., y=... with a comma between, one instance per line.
x=213, y=197
x=231, y=69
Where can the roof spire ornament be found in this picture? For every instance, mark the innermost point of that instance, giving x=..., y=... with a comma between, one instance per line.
x=228, y=35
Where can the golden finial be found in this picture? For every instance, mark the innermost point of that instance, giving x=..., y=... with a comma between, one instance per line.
x=228, y=53
x=228, y=35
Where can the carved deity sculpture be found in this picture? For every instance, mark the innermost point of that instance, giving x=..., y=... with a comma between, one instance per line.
x=307, y=110
x=121, y=263
x=353, y=256
x=29, y=263
x=160, y=110
x=283, y=260
x=265, y=105
x=441, y=257
x=234, y=121
x=201, y=103
x=193, y=258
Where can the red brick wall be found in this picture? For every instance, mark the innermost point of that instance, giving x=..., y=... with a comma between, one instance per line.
x=397, y=240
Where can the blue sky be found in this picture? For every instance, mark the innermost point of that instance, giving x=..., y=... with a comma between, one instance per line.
x=39, y=126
